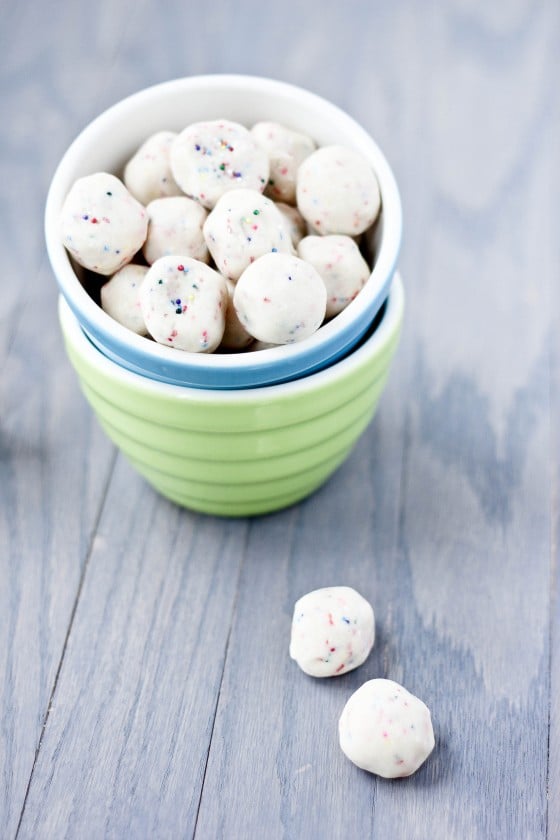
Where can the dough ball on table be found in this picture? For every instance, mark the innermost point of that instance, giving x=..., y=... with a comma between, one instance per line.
x=280, y=299
x=333, y=631
x=243, y=226
x=337, y=191
x=102, y=224
x=386, y=730
x=235, y=336
x=286, y=149
x=341, y=265
x=184, y=304
x=120, y=297
x=175, y=227
x=148, y=173
x=295, y=221
x=210, y=158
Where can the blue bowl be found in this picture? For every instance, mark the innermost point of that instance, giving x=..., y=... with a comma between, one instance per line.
x=111, y=139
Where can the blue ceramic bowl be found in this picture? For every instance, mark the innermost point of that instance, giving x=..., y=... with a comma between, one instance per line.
x=108, y=142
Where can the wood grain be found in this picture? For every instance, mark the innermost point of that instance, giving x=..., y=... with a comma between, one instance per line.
x=135, y=703
x=144, y=677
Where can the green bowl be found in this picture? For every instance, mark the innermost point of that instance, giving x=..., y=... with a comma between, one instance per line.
x=238, y=452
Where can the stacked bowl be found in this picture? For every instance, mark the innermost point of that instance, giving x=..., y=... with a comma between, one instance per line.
x=241, y=433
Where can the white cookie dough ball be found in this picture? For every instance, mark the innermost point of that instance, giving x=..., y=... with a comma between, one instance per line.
x=386, y=730
x=337, y=191
x=184, y=304
x=147, y=175
x=286, y=150
x=280, y=299
x=175, y=227
x=235, y=335
x=120, y=297
x=102, y=224
x=333, y=631
x=297, y=225
x=341, y=265
x=243, y=226
x=210, y=158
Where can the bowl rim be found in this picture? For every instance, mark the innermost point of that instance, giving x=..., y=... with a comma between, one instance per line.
x=73, y=290
x=389, y=325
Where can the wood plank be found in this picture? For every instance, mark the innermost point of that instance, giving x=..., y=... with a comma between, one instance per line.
x=54, y=461
x=54, y=467
x=462, y=589
x=125, y=748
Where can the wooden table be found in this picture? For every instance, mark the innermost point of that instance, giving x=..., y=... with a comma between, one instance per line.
x=145, y=685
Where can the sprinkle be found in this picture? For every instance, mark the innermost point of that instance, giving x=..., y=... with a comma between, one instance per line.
x=108, y=193
x=94, y=221
x=339, y=669
x=331, y=619
x=266, y=300
x=237, y=174
x=275, y=250
x=345, y=620
x=222, y=166
x=85, y=218
x=197, y=147
x=160, y=281
x=256, y=212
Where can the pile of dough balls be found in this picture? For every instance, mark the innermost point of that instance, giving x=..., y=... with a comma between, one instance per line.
x=383, y=728
x=223, y=238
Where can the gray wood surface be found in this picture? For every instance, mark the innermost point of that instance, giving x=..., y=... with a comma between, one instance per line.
x=145, y=685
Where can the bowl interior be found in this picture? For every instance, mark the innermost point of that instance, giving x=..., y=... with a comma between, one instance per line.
x=109, y=141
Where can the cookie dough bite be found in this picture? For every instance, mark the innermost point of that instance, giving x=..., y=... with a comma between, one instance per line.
x=286, y=149
x=175, y=227
x=210, y=158
x=333, y=631
x=147, y=175
x=102, y=224
x=337, y=191
x=295, y=221
x=184, y=304
x=120, y=297
x=243, y=226
x=341, y=265
x=386, y=730
x=235, y=335
x=280, y=299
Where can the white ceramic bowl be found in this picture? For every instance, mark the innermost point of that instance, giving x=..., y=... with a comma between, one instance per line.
x=112, y=138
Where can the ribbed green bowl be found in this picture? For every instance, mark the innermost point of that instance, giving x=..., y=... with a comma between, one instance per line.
x=238, y=453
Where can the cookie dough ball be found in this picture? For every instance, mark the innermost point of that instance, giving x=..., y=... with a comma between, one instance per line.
x=120, y=297
x=297, y=225
x=333, y=631
x=210, y=158
x=280, y=299
x=286, y=149
x=243, y=226
x=175, y=227
x=235, y=335
x=147, y=175
x=337, y=191
x=341, y=265
x=386, y=730
x=102, y=224
x=184, y=304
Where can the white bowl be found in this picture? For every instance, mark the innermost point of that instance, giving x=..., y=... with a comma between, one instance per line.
x=111, y=139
